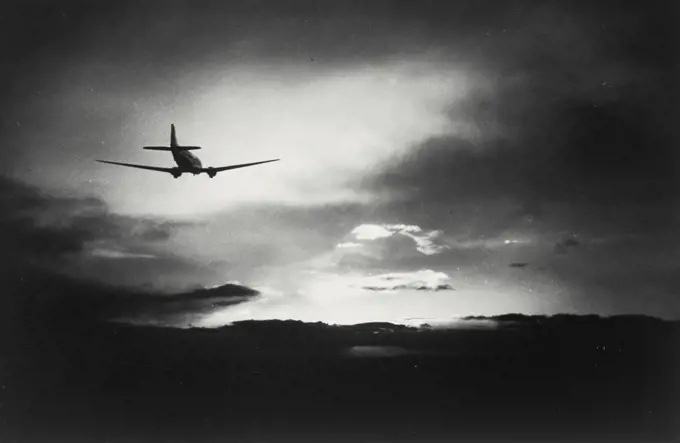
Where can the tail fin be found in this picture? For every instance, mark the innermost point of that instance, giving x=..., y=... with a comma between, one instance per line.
x=173, y=137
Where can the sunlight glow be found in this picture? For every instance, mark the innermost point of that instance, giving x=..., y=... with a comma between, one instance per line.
x=330, y=129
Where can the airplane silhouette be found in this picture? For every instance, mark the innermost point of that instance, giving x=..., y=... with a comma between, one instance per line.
x=186, y=161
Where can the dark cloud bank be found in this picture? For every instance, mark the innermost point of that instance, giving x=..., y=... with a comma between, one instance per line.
x=51, y=276
x=577, y=154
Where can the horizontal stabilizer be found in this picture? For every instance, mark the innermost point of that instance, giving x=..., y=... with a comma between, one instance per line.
x=157, y=148
x=165, y=148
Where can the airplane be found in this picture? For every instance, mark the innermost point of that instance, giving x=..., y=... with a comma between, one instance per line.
x=186, y=161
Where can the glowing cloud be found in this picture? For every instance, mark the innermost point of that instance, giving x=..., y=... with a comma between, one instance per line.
x=349, y=245
x=422, y=280
x=332, y=128
x=487, y=243
x=114, y=254
x=372, y=232
x=424, y=240
x=426, y=244
x=345, y=298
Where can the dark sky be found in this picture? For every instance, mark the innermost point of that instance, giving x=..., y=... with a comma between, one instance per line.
x=523, y=153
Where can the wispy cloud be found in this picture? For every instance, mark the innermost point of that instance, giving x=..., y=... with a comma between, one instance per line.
x=116, y=254
x=345, y=298
x=349, y=245
x=421, y=280
x=426, y=243
x=424, y=240
x=488, y=243
x=372, y=232
x=81, y=236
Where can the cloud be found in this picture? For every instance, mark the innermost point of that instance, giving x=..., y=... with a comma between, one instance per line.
x=372, y=232
x=372, y=248
x=414, y=286
x=182, y=309
x=424, y=241
x=518, y=265
x=349, y=245
x=491, y=242
x=341, y=125
x=79, y=219
x=116, y=254
x=561, y=145
x=422, y=280
x=571, y=242
x=354, y=283
x=80, y=236
x=563, y=246
x=38, y=300
x=53, y=279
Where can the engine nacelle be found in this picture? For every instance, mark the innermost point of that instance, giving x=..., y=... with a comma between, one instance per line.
x=176, y=173
x=211, y=172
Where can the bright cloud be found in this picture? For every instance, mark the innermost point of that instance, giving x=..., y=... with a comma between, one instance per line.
x=345, y=298
x=424, y=240
x=350, y=282
x=372, y=232
x=421, y=280
x=341, y=299
x=426, y=243
x=116, y=254
x=487, y=243
x=349, y=245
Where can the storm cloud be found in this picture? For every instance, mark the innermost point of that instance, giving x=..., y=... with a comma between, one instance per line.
x=55, y=274
x=79, y=236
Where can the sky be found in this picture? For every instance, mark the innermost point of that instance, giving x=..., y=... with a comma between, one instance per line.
x=438, y=160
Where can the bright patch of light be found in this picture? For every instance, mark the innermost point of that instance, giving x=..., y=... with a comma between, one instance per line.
x=421, y=279
x=426, y=243
x=115, y=254
x=371, y=232
x=333, y=301
x=424, y=240
x=488, y=243
x=330, y=128
x=349, y=245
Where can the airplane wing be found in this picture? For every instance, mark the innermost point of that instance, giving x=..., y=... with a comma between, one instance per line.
x=150, y=168
x=242, y=165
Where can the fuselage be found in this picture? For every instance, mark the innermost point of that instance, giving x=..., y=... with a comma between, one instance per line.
x=186, y=161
